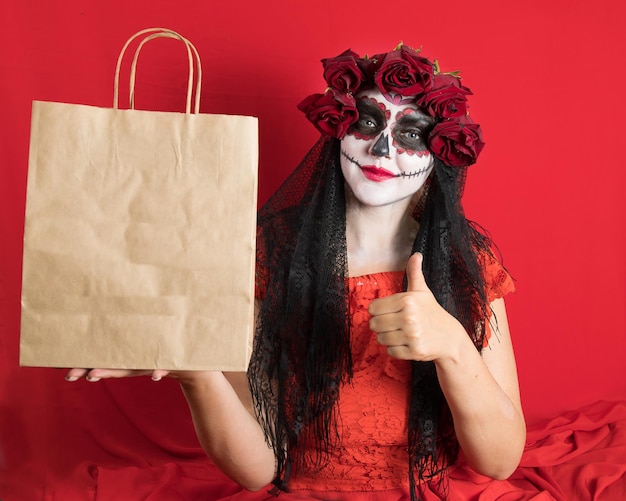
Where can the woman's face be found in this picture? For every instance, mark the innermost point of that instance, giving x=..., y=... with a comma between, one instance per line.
x=384, y=158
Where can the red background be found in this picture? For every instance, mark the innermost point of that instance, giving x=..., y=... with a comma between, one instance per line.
x=548, y=80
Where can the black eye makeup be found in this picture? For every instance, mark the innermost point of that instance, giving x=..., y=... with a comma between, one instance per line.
x=411, y=130
x=371, y=120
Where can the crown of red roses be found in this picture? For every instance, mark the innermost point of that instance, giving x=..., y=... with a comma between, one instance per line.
x=455, y=139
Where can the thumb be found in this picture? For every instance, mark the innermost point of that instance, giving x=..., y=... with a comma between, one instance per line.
x=414, y=274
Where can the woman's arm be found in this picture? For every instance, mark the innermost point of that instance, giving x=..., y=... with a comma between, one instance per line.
x=482, y=391
x=221, y=408
x=483, y=395
x=223, y=415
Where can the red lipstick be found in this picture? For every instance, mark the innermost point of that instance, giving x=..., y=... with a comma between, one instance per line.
x=376, y=174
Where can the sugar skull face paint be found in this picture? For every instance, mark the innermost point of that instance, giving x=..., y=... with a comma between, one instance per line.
x=384, y=158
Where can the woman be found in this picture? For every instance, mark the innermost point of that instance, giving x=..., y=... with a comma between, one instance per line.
x=365, y=378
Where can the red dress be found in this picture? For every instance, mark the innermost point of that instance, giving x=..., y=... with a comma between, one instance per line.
x=371, y=462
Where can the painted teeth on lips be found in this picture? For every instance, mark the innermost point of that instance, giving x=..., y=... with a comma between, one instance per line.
x=376, y=174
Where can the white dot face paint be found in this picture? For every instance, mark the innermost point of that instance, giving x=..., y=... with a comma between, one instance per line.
x=384, y=158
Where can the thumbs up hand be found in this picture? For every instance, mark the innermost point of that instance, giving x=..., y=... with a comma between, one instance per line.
x=412, y=325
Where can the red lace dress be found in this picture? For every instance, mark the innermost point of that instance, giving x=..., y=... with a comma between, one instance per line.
x=372, y=461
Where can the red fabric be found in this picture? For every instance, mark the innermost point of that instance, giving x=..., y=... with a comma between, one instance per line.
x=579, y=456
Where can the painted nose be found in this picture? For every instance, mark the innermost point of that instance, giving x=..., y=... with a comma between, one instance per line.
x=381, y=146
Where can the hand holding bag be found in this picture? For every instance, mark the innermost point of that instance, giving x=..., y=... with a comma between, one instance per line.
x=139, y=234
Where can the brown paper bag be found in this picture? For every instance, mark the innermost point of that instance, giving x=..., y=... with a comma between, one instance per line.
x=140, y=235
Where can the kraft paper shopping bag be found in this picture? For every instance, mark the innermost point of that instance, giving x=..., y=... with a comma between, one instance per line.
x=139, y=234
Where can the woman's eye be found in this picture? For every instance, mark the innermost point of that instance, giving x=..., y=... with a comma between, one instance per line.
x=368, y=123
x=410, y=138
x=366, y=127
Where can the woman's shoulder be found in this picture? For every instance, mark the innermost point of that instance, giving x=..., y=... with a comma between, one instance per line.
x=498, y=280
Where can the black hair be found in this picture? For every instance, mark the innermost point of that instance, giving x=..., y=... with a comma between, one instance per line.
x=301, y=353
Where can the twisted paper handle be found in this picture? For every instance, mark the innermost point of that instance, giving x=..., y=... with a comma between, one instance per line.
x=159, y=33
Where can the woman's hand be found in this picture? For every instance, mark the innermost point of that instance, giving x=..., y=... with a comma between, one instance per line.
x=93, y=375
x=412, y=325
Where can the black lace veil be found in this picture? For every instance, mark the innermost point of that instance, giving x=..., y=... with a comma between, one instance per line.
x=301, y=353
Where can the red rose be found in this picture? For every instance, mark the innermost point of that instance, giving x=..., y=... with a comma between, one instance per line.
x=332, y=113
x=343, y=72
x=405, y=72
x=369, y=65
x=456, y=142
x=446, y=99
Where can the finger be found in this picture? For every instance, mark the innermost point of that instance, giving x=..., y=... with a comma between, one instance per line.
x=89, y=374
x=75, y=374
x=391, y=338
x=415, y=275
x=400, y=352
x=385, y=323
x=158, y=374
x=381, y=306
